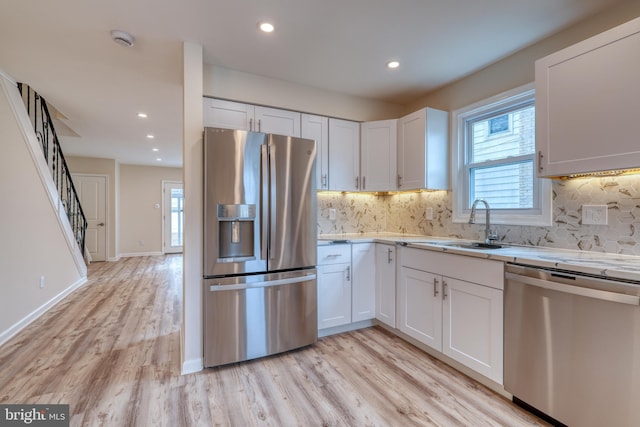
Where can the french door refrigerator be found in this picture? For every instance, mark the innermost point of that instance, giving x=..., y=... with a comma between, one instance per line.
x=260, y=290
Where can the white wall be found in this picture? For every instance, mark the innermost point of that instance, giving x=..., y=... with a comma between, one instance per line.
x=191, y=332
x=140, y=192
x=33, y=240
x=234, y=85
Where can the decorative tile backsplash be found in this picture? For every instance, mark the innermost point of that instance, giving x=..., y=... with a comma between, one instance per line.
x=406, y=213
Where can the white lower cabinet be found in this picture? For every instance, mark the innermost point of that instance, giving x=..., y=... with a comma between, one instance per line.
x=334, y=285
x=363, y=285
x=440, y=306
x=386, y=284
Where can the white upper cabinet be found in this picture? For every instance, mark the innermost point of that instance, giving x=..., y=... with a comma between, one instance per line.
x=378, y=154
x=273, y=120
x=344, y=155
x=227, y=114
x=588, y=104
x=423, y=150
x=317, y=128
x=236, y=115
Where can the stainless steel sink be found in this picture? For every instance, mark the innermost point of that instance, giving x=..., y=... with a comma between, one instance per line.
x=476, y=245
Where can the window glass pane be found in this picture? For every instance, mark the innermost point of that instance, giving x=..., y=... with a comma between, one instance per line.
x=502, y=135
x=177, y=215
x=506, y=186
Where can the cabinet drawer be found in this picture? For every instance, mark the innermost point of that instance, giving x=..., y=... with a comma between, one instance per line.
x=334, y=254
x=468, y=268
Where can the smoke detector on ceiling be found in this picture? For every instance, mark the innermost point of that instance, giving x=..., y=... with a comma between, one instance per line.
x=122, y=38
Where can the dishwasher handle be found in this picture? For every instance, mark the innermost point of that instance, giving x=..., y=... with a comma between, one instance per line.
x=575, y=290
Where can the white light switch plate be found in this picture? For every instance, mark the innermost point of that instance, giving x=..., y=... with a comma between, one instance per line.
x=594, y=214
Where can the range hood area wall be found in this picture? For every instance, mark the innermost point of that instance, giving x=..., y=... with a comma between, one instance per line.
x=406, y=213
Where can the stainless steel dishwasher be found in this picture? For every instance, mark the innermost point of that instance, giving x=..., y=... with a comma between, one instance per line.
x=572, y=345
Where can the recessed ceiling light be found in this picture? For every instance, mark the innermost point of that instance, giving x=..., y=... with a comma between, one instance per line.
x=266, y=27
x=150, y=136
x=159, y=159
x=393, y=64
x=155, y=149
x=142, y=115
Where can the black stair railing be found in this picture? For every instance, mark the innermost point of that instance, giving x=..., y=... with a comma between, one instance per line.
x=46, y=133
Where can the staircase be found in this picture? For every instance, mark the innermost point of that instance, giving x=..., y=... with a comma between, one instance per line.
x=46, y=133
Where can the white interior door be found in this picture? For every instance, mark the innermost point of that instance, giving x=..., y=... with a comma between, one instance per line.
x=173, y=216
x=92, y=191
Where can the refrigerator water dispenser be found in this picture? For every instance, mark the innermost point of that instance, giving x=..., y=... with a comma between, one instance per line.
x=236, y=232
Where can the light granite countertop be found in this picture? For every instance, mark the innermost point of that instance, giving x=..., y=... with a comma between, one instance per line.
x=604, y=264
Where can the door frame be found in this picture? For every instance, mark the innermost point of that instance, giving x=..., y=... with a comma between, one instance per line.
x=165, y=201
x=107, y=212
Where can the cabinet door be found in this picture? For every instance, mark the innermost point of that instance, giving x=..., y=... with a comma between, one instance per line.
x=363, y=285
x=423, y=150
x=280, y=122
x=344, y=155
x=587, y=104
x=334, y=295
x=317, y=128
x=227, y=114
x=378, y=154
x=420, y=306
x=386, y=284
x=472, y=326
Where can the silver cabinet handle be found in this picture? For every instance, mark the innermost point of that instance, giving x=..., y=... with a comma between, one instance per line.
x=540, y=157
x=348, y=273
x=364, y=182
x=357, y=182
x=435, y=287
x=399, y=181
x=444, y=289
x=323, y=180
x=389, y=259
x=259, y=125
x=251, y=124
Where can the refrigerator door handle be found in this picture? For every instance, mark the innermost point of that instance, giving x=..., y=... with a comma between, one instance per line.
x=273, y=198
x=264, y=210
x=266, y=283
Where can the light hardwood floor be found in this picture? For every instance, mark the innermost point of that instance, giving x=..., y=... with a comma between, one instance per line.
x=111, y=351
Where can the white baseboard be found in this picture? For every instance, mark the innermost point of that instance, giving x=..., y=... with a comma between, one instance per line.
x=23, y=323
x=133, y=254
x=345, y=328
x=193, y=365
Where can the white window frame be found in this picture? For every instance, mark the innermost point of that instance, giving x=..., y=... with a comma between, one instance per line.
x=541, y=213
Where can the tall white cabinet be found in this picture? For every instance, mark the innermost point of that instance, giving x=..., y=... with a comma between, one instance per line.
x=386, y=284
x=344, y=155
x=378, y=154
x=363, y=291
x=317, y=128
x=588, y=104
x=423, y=150
x=236, y=115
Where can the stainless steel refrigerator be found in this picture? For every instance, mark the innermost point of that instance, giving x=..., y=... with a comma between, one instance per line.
x=260, y=291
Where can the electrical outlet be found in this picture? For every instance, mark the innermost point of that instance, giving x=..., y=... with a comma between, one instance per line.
x=332, y=214
x=594, y=214
x=41, y=282
x=429, y=214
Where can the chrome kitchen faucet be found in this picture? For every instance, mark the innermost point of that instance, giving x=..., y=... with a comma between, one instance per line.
x=489, y=235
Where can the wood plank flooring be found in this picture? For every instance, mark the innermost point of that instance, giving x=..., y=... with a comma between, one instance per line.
x=111, y=351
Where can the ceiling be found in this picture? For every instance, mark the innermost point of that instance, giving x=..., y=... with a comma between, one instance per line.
x=63, y=49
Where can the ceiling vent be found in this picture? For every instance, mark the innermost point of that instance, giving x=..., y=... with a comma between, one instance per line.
x=122, y=38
